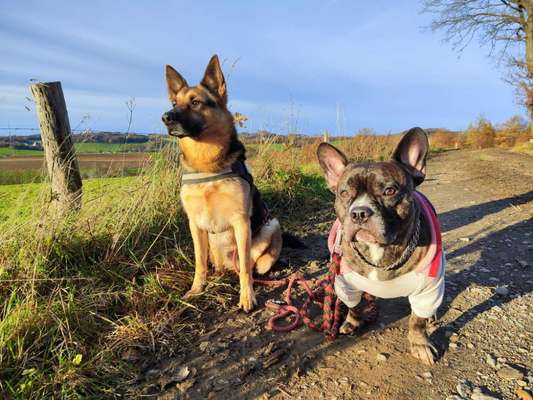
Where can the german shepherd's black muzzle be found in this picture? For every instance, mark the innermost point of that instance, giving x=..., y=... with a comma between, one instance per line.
x=183, y=123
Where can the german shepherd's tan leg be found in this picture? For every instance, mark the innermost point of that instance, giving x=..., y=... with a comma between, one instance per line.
x=243, y=238
x=266, y=246
x=217, y=253
x=264, y=262
x=199, y=238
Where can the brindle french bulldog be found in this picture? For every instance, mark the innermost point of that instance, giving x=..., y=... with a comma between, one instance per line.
x=388, y=240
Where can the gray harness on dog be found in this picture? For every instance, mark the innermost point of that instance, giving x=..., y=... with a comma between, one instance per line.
x=192, y=177
x=260, y=212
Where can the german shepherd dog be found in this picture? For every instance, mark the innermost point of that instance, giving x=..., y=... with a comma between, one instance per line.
x=229, y=223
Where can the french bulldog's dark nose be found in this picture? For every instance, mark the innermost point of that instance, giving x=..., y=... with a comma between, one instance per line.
x=360, y=215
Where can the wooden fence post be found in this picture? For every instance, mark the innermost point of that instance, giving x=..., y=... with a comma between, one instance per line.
x=61, y=160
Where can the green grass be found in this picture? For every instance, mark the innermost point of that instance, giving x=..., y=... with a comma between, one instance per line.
x=112, y=148
x=81, y=148
x=81, y=294
x=8, y=152
x=18, y=202
x=76, y=292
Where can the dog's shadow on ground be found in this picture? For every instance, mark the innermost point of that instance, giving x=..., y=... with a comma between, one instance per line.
x=454, y=219
x=243, y=360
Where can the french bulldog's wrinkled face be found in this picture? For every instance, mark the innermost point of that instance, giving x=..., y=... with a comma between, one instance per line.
x=374, y=201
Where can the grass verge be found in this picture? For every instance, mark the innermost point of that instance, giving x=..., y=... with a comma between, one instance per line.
x=89, y=300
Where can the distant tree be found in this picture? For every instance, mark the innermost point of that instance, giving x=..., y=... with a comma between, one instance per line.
x=481, y=134
x=442, y=138
x=240, y=119
x=506, y=25
x=515, y=124
x=514, y=130
x=366, y=132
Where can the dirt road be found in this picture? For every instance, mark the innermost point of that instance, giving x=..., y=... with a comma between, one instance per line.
x=484, y=333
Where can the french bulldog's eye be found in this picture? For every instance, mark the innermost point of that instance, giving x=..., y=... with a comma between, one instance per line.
x=390, y=191
x=195, y=103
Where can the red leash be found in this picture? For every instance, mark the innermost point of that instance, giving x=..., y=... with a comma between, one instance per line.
x=321, y=292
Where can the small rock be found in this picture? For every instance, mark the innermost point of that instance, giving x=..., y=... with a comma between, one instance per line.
x=501, y=290
x=454, y=338
x=477, y=395
x=465, y=239
x=203, y=346
x=507, y=372
x=382, y=357
x=185, y=385
x=464, y=388
x=523, y=263
x=427, y=375
x=152, y=373
x=454, y=397
x=521, y=382
x=453, y=345
x=491, y=360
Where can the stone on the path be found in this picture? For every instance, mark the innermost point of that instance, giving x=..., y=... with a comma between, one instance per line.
x=491, y=360
x=501, y=290
x=464, y=388
x=382, y=357
x=507, y=372
x=477, y=395
x=203, y=346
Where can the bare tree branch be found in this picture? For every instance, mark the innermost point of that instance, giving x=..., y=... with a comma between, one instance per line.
x=503, y=25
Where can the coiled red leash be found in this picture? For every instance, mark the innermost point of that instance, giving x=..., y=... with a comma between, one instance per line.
x=321, y=292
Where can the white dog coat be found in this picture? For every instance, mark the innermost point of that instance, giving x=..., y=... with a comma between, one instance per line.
x=424, y=286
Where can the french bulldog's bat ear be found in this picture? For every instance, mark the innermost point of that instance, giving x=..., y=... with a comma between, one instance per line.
x=333, y=163
x=214, y=80
x=412, y=152
x=175, y=82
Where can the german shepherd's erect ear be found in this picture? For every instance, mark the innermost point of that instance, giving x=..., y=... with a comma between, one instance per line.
x=214, y=81
x=175, y=82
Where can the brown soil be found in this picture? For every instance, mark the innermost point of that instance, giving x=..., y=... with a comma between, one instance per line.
x=93, y=161
x=485, y=203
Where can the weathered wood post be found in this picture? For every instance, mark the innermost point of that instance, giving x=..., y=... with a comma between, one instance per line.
x=325, y=136
x=61, y=160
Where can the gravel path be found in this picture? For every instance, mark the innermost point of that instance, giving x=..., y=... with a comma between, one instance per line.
x=485, y=327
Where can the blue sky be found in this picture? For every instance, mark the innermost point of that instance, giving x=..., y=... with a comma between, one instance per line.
x=305, y=65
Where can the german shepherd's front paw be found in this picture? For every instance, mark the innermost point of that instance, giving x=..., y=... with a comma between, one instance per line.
x=195, y=290
x=247, y=300
x=423, y=349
